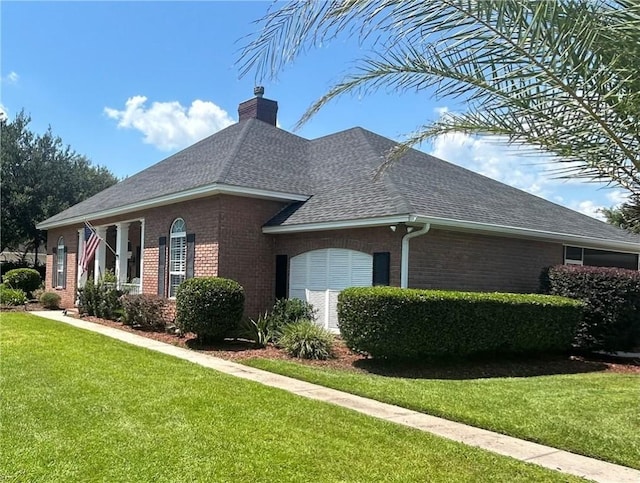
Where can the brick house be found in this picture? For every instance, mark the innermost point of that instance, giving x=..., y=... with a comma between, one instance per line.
x=291, y=217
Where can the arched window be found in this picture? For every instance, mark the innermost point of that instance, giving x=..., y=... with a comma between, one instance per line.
x=60, y=259
x=177, y=255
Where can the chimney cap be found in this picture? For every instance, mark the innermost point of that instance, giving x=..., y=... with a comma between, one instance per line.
x=258, y=91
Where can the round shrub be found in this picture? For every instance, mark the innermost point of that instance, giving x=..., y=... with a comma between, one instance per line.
x=50, y=300
x=12, y=296
x=209, y=307
x=307, y=340
x=25, y=279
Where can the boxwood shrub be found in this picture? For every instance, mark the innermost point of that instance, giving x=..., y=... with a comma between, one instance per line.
x=210, y=307
x=388, y=322
x=25, y=279
x=50, y=300
x=611, y=320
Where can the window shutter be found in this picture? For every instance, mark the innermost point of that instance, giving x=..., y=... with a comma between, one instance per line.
x=281, y=276
x=54, y=268
x=162, y=265
x=381, y=268
x=191, y=254
x=63, y=282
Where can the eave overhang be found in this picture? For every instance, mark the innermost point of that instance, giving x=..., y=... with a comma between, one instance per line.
x=195, y=193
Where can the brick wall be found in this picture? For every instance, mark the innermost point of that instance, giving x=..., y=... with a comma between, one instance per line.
x=367, y=240
x=230, y=243
x=463, y=261
x=70, y=234
x=201, y=218
x=246, y=254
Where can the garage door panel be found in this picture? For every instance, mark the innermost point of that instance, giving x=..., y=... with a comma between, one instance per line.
x=321, y=274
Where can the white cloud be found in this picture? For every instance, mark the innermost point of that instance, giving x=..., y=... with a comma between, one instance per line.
x=589, y=208
x=492, y=157
x=3, y=112
x=169, y=125
x=617, y=197
x=11, y=78
x=526, y=169
x=441, y=111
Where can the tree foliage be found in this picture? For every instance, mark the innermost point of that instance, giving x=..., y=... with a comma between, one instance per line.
x=40, y=177
x=557, y=75
x=627, y=216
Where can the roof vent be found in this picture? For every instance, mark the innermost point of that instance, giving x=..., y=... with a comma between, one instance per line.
x=259, y=108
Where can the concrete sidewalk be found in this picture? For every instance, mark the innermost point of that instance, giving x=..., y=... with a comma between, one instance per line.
x=538, y=454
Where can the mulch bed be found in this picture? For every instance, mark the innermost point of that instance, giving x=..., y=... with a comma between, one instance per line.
x=238, y=350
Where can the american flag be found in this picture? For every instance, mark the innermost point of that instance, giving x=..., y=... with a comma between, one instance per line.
x=91, y=242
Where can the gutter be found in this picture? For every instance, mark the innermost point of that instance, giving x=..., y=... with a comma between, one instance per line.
x=404, y=253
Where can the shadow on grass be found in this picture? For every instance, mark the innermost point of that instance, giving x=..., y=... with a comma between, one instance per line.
x=227, y=345
x=480, y=368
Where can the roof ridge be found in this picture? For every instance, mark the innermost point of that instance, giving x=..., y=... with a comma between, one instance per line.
x=234, y=151
x=399, y=200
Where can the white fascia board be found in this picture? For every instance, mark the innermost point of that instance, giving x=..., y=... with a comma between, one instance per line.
x=565, y=238
x=340, y=225
x=487, y=228
x=200, y=192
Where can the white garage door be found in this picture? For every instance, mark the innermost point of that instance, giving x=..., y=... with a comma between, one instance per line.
x=318, y=276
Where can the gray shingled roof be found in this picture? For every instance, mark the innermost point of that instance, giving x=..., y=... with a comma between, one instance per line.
x=337, y=172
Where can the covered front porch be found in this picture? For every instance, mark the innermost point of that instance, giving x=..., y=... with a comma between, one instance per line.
x=120, y=251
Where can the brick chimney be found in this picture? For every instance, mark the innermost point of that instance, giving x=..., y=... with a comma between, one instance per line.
x=260, y=108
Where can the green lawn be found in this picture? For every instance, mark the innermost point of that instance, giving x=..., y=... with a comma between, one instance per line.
x=77, y=406
x=595, y=414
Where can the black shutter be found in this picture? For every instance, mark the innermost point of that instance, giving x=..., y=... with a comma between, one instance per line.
x=281, y=276
x=381, y=268
x=63, y=283
x=54, y=268
x=162, y=265
x=191, y=254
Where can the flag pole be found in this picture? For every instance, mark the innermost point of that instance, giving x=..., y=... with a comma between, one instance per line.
x=105, y=241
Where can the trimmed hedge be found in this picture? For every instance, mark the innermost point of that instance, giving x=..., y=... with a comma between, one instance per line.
x=611, y=320
x=25, y=279
x=389, y=322
x=209, y=307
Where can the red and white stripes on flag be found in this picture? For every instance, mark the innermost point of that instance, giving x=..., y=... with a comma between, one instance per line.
x=91, y=242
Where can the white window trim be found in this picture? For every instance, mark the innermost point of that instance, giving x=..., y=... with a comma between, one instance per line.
x=174, y=236
x=60, y=262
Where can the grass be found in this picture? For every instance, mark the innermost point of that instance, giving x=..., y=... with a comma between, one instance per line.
x=77, y=406
x=594, y=414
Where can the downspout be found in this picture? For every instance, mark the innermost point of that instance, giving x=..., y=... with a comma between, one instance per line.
x=404, y=254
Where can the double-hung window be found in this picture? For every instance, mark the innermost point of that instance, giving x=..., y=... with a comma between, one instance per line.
x=60, y=259
x=177, y=255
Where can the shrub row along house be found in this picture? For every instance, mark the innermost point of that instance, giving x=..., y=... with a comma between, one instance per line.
x=291, y=217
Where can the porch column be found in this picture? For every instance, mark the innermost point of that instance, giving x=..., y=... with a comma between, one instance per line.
x=100, y=261
x=80, y=277
x=141, y=261
x=122, y=241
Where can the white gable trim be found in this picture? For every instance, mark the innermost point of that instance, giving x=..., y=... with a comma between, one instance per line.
x=200, y=192
x=451, y=224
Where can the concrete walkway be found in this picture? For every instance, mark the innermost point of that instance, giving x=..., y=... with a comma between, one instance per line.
x=538, y=454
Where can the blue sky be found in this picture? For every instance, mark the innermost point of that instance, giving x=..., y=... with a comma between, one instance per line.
x=129, y=83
